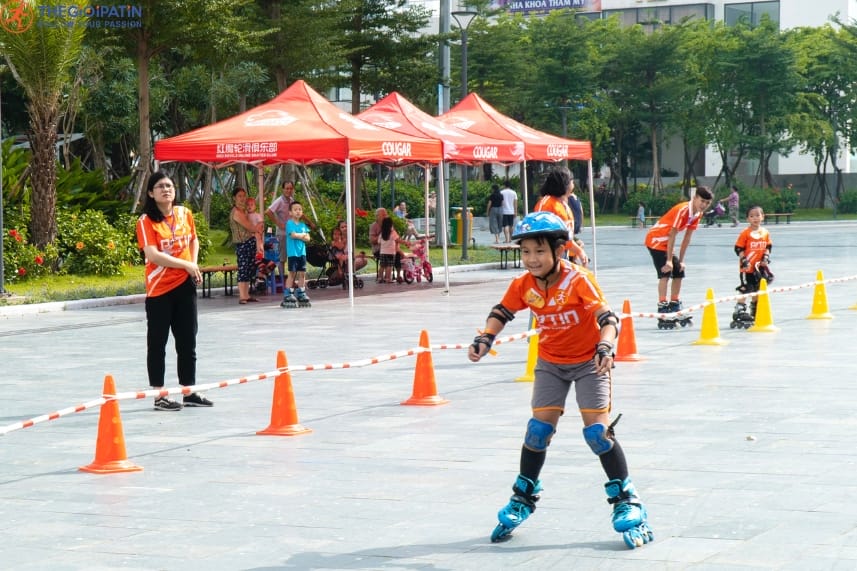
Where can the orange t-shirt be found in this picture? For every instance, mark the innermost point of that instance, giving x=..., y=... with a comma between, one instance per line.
x=561, y=208
x=754, y=243
x=565, y=314
x=173, y=235
x=679, y=218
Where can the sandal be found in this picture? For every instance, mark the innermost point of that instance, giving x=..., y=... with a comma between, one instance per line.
x=242, y=301
x=251, y=299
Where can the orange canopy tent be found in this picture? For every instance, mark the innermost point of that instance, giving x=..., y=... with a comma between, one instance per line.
x=474, y=114
x=298, y=126
x=459, y=146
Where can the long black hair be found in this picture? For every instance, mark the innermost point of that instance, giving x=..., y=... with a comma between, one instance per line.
x=386, y=228
x=150, y=207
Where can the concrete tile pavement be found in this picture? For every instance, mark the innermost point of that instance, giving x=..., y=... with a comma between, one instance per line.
x=742, y=452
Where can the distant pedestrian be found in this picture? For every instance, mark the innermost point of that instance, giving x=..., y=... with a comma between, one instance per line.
x=510, y=209
x=732, y=204
x=494, y=212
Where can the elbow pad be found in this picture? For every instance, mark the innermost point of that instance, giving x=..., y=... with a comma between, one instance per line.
x=501, y=314
x=608, y=318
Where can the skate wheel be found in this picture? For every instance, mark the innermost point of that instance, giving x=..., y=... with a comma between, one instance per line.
x=360, y=284
x=733, y=325
x=312, y=285
x=501, y=533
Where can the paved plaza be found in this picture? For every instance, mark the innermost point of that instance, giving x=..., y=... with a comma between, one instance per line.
x=743, y=452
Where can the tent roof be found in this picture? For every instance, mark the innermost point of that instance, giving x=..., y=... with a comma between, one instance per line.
x=475, y=115
x=298, y=126
x=459, y=146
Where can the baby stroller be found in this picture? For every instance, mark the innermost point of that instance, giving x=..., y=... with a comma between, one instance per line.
x=712, y=216
x=417, y=266
x=319, y=255
x=338, y=272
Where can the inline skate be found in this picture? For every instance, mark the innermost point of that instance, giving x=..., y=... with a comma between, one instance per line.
x=301, y=296
x=741, y=319
x=629, y=514
x=289, y=299
x=520, y=506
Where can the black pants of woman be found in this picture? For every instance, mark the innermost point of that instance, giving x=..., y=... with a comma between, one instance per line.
x=174, y=311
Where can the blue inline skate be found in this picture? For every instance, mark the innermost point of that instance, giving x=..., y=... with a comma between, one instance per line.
x=289, y=299
x=520, y=506
x=301, y=296
x=629, y=514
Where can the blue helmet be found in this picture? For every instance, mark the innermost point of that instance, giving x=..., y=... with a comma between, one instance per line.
x=541, y=225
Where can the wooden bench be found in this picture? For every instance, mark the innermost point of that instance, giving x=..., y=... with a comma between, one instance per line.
x=777, y=215
x=649, y=221
x=228, y=272
x=504, y=250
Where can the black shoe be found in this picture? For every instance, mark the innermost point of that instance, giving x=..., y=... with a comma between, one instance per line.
x=196, y=399
x=163, y=403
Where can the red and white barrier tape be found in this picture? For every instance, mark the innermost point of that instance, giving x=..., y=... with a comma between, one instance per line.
x=697, y=307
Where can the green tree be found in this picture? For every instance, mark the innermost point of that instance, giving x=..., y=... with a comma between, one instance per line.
x=383, y=47
x=41, y=59
x=825, y=60
x=766, y=86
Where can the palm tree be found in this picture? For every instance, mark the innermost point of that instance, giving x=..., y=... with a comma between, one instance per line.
x=41, y=59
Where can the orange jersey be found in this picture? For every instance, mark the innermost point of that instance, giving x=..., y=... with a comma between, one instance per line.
x=561, y=208
x=565, y=314
x=754, y=243
x=174, y=236
x=679, y=218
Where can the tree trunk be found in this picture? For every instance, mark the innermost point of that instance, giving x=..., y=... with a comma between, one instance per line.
x=657, y=184
x=144, y=157
x=43, y=175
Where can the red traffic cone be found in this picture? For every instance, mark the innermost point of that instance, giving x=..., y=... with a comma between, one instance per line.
x=425, y=389
x=110, y=453
x=284, y=412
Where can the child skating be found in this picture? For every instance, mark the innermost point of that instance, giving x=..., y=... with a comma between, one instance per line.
x=660, y=240
x=297, y=236
x=753, y=249
x=577, y=335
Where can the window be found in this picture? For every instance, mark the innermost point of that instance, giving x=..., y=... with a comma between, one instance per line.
x=751, y=13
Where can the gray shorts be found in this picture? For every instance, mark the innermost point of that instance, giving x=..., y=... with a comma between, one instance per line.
x=553, y=381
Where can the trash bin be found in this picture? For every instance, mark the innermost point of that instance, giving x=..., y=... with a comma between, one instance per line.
x=456, y=230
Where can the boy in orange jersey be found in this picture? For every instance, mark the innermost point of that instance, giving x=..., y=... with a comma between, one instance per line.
x=753, y=248
x=577, y=334
x=661, y=239
x=555, y=190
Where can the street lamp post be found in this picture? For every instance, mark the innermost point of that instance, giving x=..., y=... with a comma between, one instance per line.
x=463, y=18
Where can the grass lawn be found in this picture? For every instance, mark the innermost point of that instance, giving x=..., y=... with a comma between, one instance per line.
x=64, y=287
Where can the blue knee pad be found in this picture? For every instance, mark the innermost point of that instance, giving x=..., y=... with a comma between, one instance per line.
x=538, y=435
x=596, y=437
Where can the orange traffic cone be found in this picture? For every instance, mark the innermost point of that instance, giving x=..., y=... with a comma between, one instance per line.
x=764, y=318
x=110, y=453
x=626, y=346
x=529, y=375
x=709, y=333
x=425, y=389
x=820, y=309
x=284, y=413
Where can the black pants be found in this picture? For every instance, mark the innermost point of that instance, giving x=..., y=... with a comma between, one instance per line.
x=174, y=311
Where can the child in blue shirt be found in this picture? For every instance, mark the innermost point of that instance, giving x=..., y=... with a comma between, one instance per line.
x=297, y=236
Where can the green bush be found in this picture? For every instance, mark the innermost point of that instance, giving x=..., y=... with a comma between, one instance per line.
x=88, y=244
x=848, y=202
x=22, y=260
